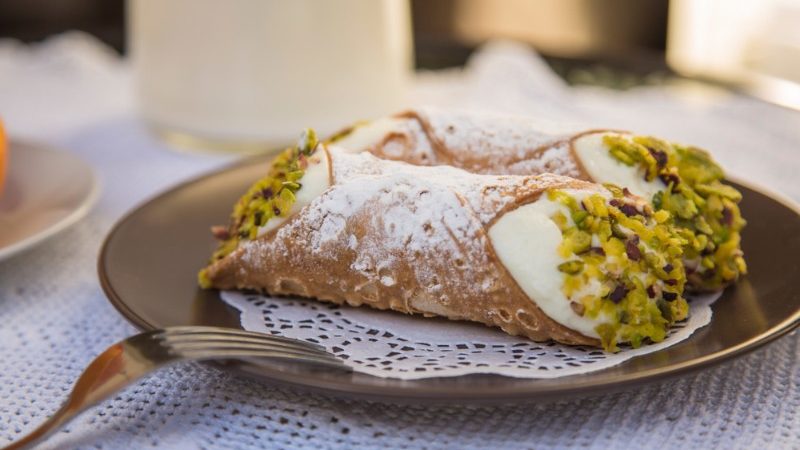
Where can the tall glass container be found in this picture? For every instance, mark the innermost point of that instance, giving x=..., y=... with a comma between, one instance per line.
x=247, y=75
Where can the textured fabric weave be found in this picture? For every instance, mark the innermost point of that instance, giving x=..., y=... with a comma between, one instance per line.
x=54, y=317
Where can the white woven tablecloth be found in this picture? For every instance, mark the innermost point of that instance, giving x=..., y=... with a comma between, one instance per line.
x=54, y=317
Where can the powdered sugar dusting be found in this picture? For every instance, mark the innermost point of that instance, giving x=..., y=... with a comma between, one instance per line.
x=553, y=159
x=418, y=143
x=411, y=208
x=477, y=142
x=484, y=194
x=520, y=145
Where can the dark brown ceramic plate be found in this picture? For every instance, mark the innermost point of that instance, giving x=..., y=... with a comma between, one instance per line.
x=149, y=262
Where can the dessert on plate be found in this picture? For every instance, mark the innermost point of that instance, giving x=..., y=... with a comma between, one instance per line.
x=542, y=256
x=682, y=180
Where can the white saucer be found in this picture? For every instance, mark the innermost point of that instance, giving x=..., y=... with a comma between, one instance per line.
x=46, y=191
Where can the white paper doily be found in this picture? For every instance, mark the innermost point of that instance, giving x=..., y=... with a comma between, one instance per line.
x=393, y=345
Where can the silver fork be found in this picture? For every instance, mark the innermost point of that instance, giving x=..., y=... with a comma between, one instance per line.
x=134, y=357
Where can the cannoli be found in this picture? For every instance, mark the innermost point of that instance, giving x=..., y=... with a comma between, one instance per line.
x=682, y=180
x=546, y=257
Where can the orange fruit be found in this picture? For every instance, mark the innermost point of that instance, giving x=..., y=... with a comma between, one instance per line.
x=3, y=156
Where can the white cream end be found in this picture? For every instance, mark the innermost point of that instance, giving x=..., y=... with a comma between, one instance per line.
x=315, y=181
x=526, y=240
x=365, y=136
x=604, y=168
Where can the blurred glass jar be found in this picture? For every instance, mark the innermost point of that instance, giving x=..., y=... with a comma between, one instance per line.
x=247, y=75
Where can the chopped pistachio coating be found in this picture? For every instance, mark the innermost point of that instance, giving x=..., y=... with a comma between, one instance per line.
x=338, y=136
x=623, y=266
x=271, y=196
x=705, y=211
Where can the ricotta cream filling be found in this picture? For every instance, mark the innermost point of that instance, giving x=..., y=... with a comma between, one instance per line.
x=604, y=168
x=364, y=136
x=314, y=182
x=526, y=240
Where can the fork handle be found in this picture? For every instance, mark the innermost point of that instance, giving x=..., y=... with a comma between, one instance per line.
x=133, y=358
x=111, y=371
x=62, y=416
x=137, y=356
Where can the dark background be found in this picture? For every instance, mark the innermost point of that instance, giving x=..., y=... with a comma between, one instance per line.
x=623, y=41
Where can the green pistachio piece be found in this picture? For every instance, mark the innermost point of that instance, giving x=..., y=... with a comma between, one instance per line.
x=573, y=267
x=622, y=156
x=287, y=196
x=608, y=336
x=721, y=236
x=723, y=190
x=581, y=241
x=657, y=200
x=203, y=280
x=618, y=232
x=308, y=142
x=579, y=217
x=636, y=340
x=295, y=175
x=665, y=309
x=682, y=207
x=291, y=185
x=696, y=165
x=654, y=143
x=702, y=225
x=615, y=190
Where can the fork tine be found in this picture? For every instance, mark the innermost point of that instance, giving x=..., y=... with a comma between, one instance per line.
x=194, y=329
x=236, y=353
x=229, y=352
x=332, y=363
x=192, y=341
x=174, y=332
x=231, y=345
x=262, y=340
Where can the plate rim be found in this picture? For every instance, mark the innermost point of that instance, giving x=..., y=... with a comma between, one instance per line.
x=439, y=394
x=83, y=208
